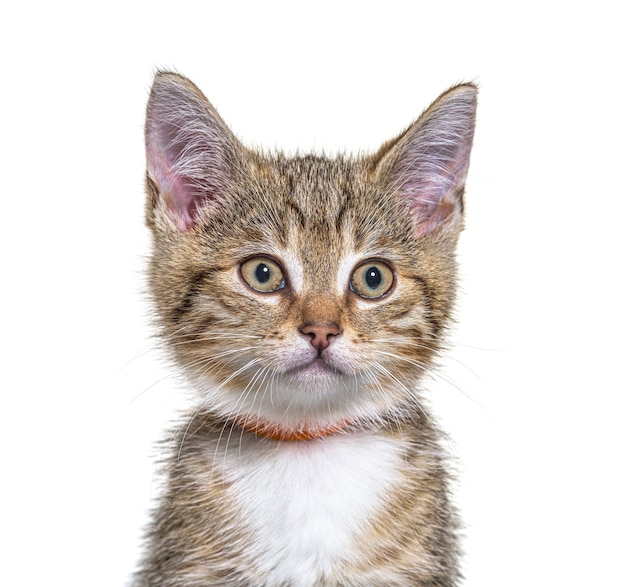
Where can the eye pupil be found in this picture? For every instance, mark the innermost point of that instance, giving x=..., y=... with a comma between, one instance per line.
x=373, y=278
x=262, y=273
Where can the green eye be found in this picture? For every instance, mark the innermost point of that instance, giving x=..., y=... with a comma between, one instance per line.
x=371, y=280
x=263, y=275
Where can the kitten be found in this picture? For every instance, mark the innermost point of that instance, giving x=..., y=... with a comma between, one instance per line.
x=304, y=298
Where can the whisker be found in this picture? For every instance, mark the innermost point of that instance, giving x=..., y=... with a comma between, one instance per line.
x=409, y=392
x=197, y=339
x=245, y=393
x=236, y=411
x=207, y=364
x=436, y=373
x=220, y=386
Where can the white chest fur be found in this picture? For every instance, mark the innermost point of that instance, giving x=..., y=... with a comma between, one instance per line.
x=303, y=502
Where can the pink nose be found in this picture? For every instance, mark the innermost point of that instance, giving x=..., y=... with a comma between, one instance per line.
x=320, y=333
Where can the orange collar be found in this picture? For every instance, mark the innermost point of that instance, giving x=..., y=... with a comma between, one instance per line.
x=272, y=431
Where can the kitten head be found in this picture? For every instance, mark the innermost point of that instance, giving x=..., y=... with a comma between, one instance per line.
x=303, y=294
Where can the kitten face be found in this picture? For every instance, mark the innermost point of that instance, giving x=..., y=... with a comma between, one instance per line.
x=305, y=293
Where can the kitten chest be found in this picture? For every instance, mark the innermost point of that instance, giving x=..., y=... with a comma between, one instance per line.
x=303, y=503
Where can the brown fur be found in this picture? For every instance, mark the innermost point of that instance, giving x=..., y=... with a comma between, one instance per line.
x=317, y=209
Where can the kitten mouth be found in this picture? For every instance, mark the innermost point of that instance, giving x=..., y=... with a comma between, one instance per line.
x=318, y=366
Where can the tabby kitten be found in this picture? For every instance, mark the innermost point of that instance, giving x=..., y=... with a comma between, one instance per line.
x=304, y=299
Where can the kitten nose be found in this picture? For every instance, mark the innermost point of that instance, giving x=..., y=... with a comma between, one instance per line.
x=320, y=333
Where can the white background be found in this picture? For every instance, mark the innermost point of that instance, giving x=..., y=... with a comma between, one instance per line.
x=535, y=403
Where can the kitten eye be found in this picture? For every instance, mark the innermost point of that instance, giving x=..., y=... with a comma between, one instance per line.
x=371, y=280
x=263, y=275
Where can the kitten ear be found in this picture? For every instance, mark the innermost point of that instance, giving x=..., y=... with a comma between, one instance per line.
x=189, y=149
x=429, y=161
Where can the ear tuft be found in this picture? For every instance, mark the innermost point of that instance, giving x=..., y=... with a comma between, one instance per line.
x=429, y=161
x=188, y=149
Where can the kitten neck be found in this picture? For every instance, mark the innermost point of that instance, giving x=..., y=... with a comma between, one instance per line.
x=272, y=431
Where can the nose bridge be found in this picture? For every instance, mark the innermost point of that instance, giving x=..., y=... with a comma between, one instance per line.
x=320, y=308
x=319, y=302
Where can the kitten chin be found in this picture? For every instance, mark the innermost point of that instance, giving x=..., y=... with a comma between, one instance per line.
x=304, y=298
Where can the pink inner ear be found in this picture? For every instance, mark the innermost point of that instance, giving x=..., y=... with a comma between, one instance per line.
x=429, y=220
x=424, y=197
x=430, y=203
x=173, y=190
